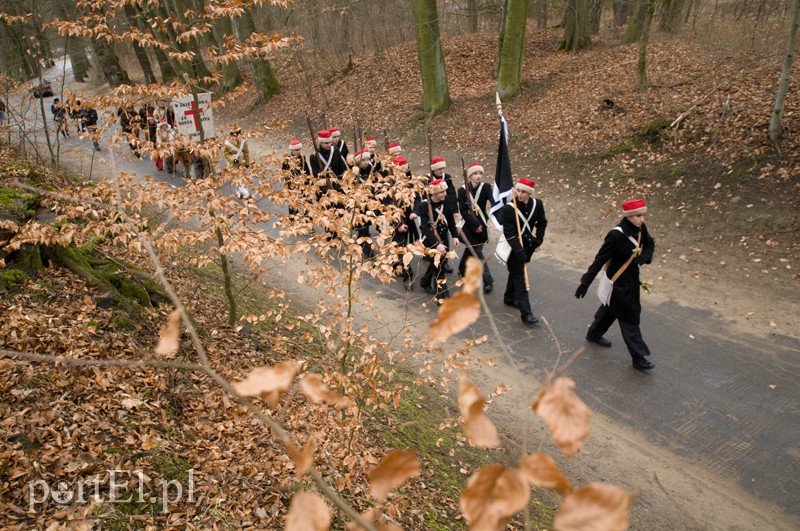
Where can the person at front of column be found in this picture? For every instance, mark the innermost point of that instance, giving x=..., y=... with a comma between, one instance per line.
x=628, y=243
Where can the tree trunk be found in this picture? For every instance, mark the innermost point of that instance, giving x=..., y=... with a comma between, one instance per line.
x=44, y=51
x=576, y=26
x=595, y=14
x=776, y=120
x=472, y=16
x=500, y=38
x=670, y=15
x=513, y=52
x=76, y=46
x=143, y=22
x=637, y=22
x=264, y=78
x=78, y=58
x=231, y=77
x=641, y=65
x=541, y=14
x=436, y=95
x=197, y=68
x=141, y=54
x=27, y=66
x=109, y=63
x=622, y=12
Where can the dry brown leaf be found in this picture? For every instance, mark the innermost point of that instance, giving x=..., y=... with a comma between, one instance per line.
x=478, y=428
x=565, y=414
x=308, y=512
x=392, y=471
x=271, y=382
x=170, y=337
x=595, y=507
x=455, y=315
x=492, y=496
x=313, y=387
x=303, y=459
x=540, y=470
x=473, y=276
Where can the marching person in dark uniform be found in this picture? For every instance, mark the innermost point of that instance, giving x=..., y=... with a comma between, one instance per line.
x=371, y=145
x=529, y=217
x=436, y=232
x=338, y=144
x=128, y=120
x=327, y=168
x=324, y=163
x=368, y=178
x=405, y=230
x=472, y=204
x=88, y=116
x=296, y=171
x=438, y=166
x=628, y=245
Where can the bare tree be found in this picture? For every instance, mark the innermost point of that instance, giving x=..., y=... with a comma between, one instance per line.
x=512, y=49
x=576, y=26
x=638, y=22
x=263, y=74
x=670, y=15
x=436, y=95
x=776, y=120
x=641, y=65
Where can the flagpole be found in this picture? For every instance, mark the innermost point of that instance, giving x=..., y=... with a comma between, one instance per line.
x=514, y=199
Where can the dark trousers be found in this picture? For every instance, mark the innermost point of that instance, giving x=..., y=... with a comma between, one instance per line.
x=362, y=231
x=462, y=265
x=516, y=293
x=402, y=239
x=631, y=334
x=437, y=276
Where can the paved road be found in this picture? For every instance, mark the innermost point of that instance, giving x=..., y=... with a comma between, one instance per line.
x=727, y=402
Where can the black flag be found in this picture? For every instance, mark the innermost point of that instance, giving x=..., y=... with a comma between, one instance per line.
x=503, y=182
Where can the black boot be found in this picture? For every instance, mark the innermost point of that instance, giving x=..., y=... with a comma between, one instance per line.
x=643, y=364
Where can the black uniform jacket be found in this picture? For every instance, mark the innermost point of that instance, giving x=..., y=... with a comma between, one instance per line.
x=538, y=223
x=296, y=170
x=337, y=165
x=444, y=223
x=471, y=211
x=617, y=247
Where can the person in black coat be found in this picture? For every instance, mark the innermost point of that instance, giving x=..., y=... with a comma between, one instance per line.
x=326, y=163
x=438, y=166
x=405, y=233
x=89, y=119
x=436, y=232
x=295, y=171
x=373, y=183
x=529, y=216
x=472, y=204
x=338, y=144
x=629, y=239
